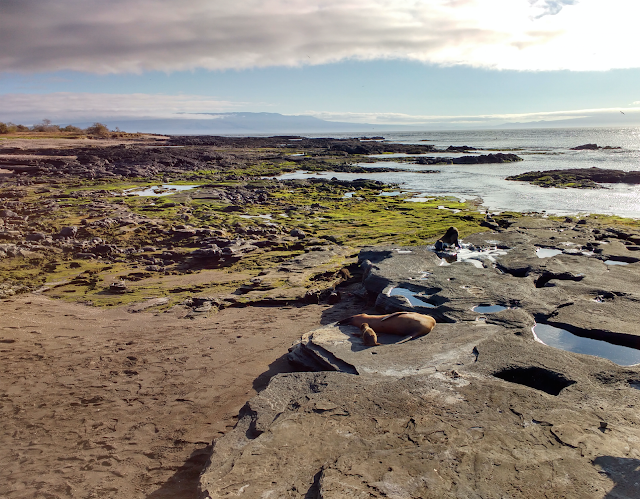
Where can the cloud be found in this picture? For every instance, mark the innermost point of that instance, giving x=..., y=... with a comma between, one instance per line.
x=65, y=107
x=550, y=7
x=170, y=35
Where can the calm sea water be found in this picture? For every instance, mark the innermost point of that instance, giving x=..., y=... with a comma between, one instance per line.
x=541, y=149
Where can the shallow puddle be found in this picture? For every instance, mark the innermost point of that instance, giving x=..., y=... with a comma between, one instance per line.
x=414, y=298
x=547, y=252
x=266, y=217
x=160, y=190
x=488, y=309
x=615, y=262
x=564, y=340
x=453, y=210
x=475, y=256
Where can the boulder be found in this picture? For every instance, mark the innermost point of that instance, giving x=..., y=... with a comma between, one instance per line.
x=70, y=232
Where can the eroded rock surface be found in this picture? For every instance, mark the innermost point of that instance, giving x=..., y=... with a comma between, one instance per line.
x=476, y=409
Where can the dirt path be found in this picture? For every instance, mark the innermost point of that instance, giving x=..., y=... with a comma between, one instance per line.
x=107, y=403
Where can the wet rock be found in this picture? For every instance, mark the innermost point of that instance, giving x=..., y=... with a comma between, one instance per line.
x=586, y=178
x=470, y=160
x=440, y=416
x=486, y=159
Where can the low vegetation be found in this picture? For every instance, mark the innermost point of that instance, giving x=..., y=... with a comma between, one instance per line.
x=46, y=129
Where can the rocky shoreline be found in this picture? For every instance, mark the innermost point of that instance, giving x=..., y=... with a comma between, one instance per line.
x=478, y=407
x=223, y=254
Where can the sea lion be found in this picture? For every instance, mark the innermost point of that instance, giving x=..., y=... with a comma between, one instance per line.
x=369, y=336
x=450, y=238
x=411, y=324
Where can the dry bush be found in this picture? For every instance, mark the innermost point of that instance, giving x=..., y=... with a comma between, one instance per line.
x=98, y=129
x=45, y=126
x=71, y=128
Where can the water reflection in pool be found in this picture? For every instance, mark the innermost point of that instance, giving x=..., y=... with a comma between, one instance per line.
x=478, y=257
x=160, y=190
x=547, y=252
x=560, y=338
x=414, y=298
x=488, y=309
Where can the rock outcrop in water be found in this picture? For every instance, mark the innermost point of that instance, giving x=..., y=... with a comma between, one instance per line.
x=481, y=159
x=580, y=178
x=591, y=147
x=477, y=408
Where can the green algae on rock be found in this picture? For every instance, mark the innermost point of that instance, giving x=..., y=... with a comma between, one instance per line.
x=578, y=178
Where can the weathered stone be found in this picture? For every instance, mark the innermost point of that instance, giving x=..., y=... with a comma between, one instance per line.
x=299, y=233
x=68, y=232
x=478, y=407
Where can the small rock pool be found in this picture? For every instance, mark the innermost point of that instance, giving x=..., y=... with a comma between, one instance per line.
x=547, y=252
x=160, y=190
x=488, y=309
x=416, y=299
x=564, y=340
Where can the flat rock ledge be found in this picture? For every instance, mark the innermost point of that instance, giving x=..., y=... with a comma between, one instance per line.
x=476, y=409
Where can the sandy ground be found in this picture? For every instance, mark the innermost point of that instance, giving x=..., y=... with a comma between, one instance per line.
x=102, y=403
x=35, y=142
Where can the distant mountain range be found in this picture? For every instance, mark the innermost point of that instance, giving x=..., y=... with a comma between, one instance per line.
x=274, y=123
x=243, y=124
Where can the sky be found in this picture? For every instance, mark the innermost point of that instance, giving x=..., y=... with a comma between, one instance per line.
x=409, y=62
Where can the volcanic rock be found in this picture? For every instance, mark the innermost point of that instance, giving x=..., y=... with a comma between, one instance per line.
x=478, y=407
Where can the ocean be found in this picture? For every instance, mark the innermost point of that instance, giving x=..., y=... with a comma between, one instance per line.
x=541, y=149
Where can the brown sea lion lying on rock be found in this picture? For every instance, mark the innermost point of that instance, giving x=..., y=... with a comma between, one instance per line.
x=450, y=238
x=369, y=336
x=411, y=324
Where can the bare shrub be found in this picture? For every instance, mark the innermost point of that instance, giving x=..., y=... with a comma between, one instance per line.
x=98, y=129
x=45, y=126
